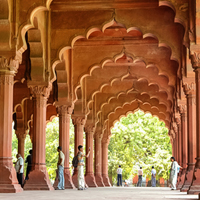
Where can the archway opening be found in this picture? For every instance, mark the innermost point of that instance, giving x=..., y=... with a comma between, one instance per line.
x=139, y=140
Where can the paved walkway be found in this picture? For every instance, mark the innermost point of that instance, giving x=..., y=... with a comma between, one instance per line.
x=101, y=194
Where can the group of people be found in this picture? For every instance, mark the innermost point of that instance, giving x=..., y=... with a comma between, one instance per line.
x=174, y=170
x=19, y=167
x=78, y=163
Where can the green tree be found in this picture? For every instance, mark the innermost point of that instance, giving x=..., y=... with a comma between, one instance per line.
x=139, y=140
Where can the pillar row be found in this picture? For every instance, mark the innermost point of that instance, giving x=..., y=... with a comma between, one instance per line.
x=39, y=178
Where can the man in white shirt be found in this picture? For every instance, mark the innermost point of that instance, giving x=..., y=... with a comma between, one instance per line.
x=19, y=167
x=119, y=176
x=140, y=173
x=60, y=164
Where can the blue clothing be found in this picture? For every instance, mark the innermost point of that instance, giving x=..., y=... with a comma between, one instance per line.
x=119, y=179
x=79, y=155
x=61, y=179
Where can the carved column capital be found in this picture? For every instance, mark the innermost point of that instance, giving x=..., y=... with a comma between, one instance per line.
x=40, y=90
x=172, y=134
x=189, y=88
x=79, y=120
x=183, y=108
x=65, y=109
x=195, y=59
x=175, y=127
x=105, y=140
x=10, y=66
x=90, y=129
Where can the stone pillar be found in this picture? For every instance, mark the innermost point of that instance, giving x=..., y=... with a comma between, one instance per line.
x=39, y=178
x=195, y=187
x=98, y=161
x=191, y=128
x=105, y=162
x=89, y=176
x=8, y=180
x=183, y=110
x=79, y=122
x=21, y=141
x=65, y=112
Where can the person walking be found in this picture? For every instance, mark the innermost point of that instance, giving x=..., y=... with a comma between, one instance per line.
x=19, y=167
x=119, y=176
x=174, y=173
x=153, y=177
x=60, y=164
x=81, y=180
x=140, y=173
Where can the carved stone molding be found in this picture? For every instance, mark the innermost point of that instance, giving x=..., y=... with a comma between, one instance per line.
x=11, y=66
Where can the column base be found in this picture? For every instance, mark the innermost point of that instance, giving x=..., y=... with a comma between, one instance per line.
x=182, y=179
x=188, y=177
x=90, y=180
x=106, y=181
x=195, y=187
x=75, y=178
x=99, y=181
x=68, y=180
x=8, y=181
x=38, y=180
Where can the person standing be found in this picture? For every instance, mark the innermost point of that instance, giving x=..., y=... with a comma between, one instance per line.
x=140, y=173
x=29, y=164
x=119, y=176
x=19, y=167
x=173, y=173
x=81, y=180
x=60, y=164
x=153, y=177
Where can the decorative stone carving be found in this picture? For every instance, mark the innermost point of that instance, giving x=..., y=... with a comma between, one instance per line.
x=90, y=129
x=12, y=65
x=183, y=108
x=189, y=88
x=40, y=90
x=65, y=109
x=79, y=120
x=195, y=59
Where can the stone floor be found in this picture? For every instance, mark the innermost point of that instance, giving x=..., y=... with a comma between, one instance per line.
x=113, y=193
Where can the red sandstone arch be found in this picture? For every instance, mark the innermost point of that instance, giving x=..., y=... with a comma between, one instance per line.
x=160, y=80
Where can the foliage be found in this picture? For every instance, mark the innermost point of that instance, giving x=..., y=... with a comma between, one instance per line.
x=139, y=140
